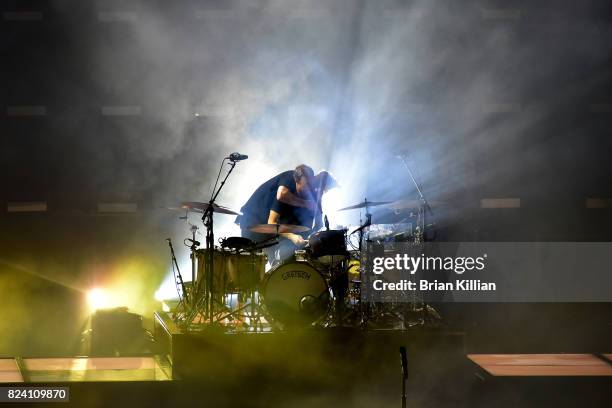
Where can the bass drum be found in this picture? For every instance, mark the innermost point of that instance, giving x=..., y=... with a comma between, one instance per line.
x=295, y=294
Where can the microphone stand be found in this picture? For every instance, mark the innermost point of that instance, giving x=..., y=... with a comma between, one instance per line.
x=179, y=277
x=404, y=361
x=207, y=219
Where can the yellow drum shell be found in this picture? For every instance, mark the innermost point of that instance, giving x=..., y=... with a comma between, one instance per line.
x=232, y=272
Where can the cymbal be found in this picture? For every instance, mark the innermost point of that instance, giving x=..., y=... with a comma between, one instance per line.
x=196, y=206
x=364, y=204
x=278, y=228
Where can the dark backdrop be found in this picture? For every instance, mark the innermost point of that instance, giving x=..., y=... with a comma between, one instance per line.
x=136, y=102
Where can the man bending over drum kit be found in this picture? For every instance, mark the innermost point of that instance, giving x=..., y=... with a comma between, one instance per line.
x=290, y=198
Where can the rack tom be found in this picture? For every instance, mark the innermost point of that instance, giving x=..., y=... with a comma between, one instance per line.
x=328, y=247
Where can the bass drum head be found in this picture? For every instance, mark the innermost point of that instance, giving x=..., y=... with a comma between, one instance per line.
x=295, y=294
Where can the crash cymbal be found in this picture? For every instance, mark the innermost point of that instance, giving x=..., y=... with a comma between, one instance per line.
x=278, y=228
x=364, y=204
x=196, y=206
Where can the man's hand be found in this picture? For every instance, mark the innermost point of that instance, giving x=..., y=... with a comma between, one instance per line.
x=296, y=239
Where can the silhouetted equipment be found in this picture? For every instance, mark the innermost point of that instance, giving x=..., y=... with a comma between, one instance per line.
x=117, y=332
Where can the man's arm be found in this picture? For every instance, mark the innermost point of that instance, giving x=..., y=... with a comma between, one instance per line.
x=284, y=195
x=295, y=238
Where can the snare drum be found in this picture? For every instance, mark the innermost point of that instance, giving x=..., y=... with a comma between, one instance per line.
x=295, y=294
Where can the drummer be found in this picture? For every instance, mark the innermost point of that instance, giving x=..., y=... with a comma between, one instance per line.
x=282, y=213
x=291, y=197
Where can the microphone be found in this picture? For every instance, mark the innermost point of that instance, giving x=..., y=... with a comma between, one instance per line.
x=326, y=222
x=193, y=241
x=237, y=157
x=402, y=351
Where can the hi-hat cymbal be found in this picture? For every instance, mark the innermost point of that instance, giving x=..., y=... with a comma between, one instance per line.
x=196, y=206
x=278, y=228
x=365, y=204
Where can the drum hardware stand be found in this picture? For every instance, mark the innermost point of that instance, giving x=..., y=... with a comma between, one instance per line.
x=363, y=232
x=207, y=219
x=193, y=248
x=255, y=315
x=237, y=313
x=179, y=277
x=422, y=211
x=365, y=225
x=221, y=311
x=424, y=207
x=339, y=286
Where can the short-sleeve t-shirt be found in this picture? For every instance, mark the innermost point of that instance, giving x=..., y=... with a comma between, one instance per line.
x=257, y=208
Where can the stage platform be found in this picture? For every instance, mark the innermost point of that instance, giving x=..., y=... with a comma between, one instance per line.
x=335, y=362
x=544, y=365
x=315, y=348
x=84, y=369
x=331, y=367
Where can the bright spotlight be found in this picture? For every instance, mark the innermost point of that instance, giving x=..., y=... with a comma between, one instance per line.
x=332, y=200
x=97, y=299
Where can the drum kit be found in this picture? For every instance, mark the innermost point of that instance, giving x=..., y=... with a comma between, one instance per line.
x=320, y=285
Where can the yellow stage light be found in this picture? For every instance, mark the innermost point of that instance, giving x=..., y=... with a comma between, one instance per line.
x=108, y=298
x=97, y=299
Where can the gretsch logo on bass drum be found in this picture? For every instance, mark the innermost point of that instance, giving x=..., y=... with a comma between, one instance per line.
x=296, y=275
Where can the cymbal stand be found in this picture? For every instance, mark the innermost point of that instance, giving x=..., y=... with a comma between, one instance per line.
x=363, y=232
x=207, y=219
x=424, y=206
x=193, y=248
x=365, y=225
x=179, y=277
x=419, y=237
